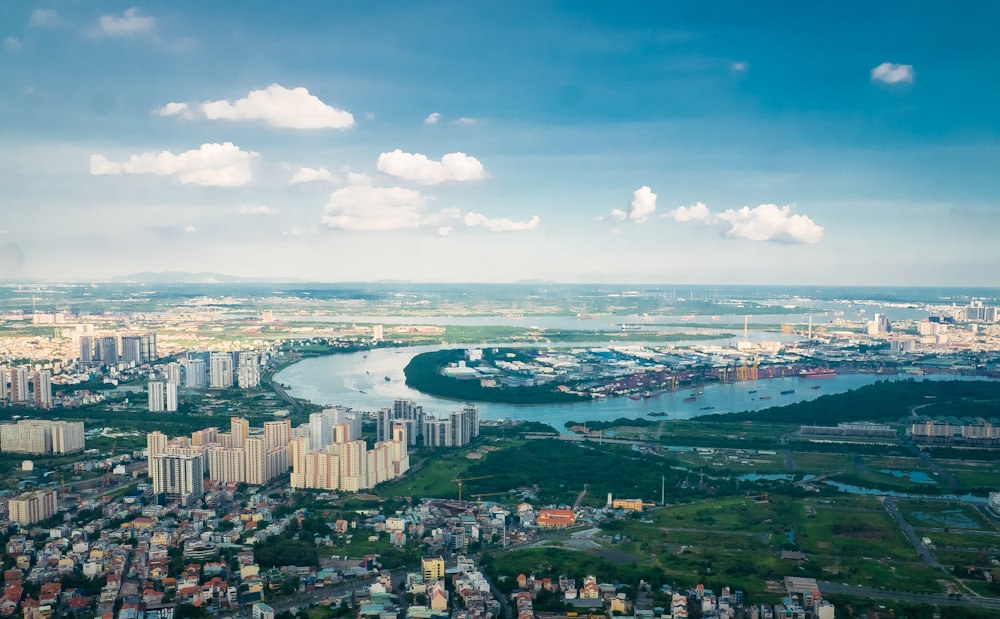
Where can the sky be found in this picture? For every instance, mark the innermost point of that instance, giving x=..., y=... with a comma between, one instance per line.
x=637, y=142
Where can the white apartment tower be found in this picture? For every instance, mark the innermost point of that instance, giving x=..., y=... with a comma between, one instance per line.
x=221, y=371
x=43, y=389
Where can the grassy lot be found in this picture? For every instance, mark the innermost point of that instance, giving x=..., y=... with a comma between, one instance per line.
x=763, y=464
x=943, y=515
x=973, y=474
x=739, y=542
x=961, y=539
x=433, y=479
x=820, y=463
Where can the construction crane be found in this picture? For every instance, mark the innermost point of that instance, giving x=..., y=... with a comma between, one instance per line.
x=107, y=474
x=461, y=480
x=482, y=494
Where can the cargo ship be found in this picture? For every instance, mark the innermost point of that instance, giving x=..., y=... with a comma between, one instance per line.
x=817, y=373
x=787, y=392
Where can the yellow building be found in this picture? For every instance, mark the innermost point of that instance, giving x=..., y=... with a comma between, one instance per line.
x=433, y=568
x=629, y=505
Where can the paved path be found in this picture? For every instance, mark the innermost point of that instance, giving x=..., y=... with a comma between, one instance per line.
x=903, y=596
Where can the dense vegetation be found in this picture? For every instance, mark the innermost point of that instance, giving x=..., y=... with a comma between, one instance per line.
x=423, y=373
x=885, y=401
x=562, y=470
x=277, y=551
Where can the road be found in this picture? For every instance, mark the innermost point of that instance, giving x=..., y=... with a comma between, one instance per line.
x=309, y=598
x=922, y=550
x=903, y=596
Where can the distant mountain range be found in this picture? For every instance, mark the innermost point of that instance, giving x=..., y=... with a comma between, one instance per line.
x=185, y=277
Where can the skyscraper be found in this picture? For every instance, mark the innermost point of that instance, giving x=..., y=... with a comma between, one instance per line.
x=178, y=476
x=240, y=429
x=43, y=389
x=18, y=385
x=107, y=350
x=277, y=433
x=86, y=349
x=157, y=397
x=221, y=371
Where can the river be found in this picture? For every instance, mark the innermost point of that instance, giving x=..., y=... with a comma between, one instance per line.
x=358, y=380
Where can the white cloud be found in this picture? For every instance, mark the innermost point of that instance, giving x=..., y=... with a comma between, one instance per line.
x=190, y=229
x=130, y=23
x=892, y=73
x=363, y=207
x=256, y=210
x=280, y=107
x=369, y=115
x=739, y=67
x=698, y=213
x=444, y=231
x=432, y=118
x=357, y=178
x=173, y=109
x=465, y=120
x=221, y=165
x=442, y=217
x=12, y=44
x=500, y=224
x=44, y=18
x=642, y=206
x=419, y=168
x=769, y=222
x=310, y=175
x=766, y=222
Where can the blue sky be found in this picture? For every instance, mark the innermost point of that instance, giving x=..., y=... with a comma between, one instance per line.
x=645, y=142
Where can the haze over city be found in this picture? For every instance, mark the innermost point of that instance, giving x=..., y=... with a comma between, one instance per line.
x=451, y=141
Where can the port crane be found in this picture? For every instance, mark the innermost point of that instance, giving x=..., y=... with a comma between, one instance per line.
x=462, y=480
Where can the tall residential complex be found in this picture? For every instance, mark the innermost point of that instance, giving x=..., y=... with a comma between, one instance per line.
x=42, y=386
x=178, y=476
x=248, y=370
x=107, y=349
x=406, y=412
x=32, y=507
x=41, y=437
x=347, y=465
x=220, y=371
x=162, y=397
x=457, y=429
x=18, y=385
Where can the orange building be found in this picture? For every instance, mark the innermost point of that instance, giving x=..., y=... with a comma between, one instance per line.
x=555, y=518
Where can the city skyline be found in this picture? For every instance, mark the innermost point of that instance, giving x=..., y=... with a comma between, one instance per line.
x=448, y=142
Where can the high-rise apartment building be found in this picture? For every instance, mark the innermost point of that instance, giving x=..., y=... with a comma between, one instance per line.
x=43, y=389
x=221, y=371
x=170, y=391
x=4, y=380
x=19, y=385
x=277, y=433
x=178, y=476
x=195, y=371
x=248, y=370
x=173, y=373
x=157, y=396
x=86, y=349
x=406, y=412
x=41, y=437
x=32, y=507
x=457, y=429
x=131, y=346
x=240, y=429
x=226, y=464
x=107, y=350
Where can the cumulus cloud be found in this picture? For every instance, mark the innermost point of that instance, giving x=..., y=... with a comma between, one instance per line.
x=500, y=224
x=892, y=73
x=419, y=168
x=442, y=217
x=130, y=23
x=44, y=18
x=220, y=165
x=363, y=207
x=432, y=118
x=278, y=106
x=444, y=231
x=642, y=206
x=12, y=44
x=465, y=120
x=174, y=109
x=766, y=222
x=310, y=175
x=696, y=213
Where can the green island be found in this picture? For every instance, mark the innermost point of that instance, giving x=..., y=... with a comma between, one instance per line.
x=423, y=373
